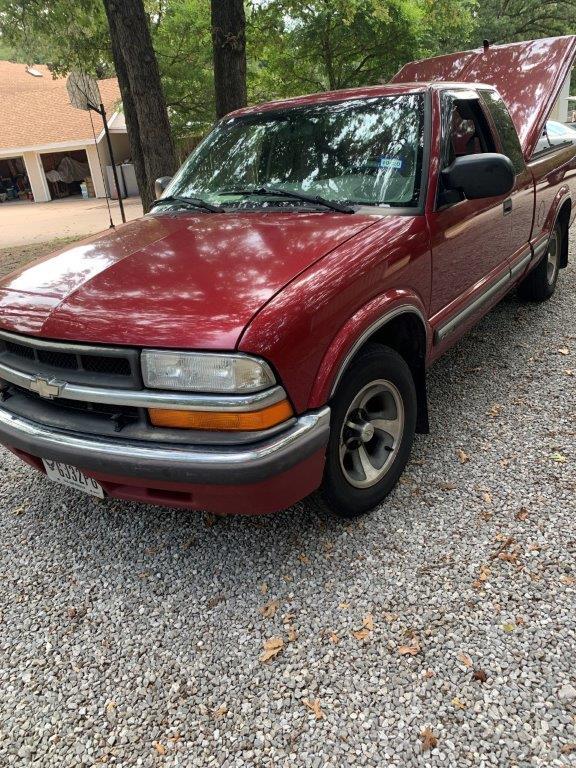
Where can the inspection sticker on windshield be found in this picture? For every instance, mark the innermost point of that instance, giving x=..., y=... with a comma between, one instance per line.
x=72, y=477
x=390, y=162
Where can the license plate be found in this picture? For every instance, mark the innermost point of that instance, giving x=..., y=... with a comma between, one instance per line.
x=72, y=477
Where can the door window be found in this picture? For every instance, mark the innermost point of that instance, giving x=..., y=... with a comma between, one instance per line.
x=465, y=131
x=505, y=127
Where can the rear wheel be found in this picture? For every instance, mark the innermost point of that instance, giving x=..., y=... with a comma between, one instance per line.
x=372, y=430
x=540, y=284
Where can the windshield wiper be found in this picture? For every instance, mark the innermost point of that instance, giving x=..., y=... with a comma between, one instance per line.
x=192, y=202
x=274, y=192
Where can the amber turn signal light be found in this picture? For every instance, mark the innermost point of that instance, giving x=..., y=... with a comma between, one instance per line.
x=249, y=421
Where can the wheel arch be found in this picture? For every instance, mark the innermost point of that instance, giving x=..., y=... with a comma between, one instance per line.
x=404, y=329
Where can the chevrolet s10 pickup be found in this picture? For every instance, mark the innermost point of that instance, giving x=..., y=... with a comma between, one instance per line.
x=264, y=332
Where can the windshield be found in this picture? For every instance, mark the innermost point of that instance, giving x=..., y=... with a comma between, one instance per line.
x=365, y=151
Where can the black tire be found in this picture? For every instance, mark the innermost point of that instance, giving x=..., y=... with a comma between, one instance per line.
x=540, y=283
x=383, y=371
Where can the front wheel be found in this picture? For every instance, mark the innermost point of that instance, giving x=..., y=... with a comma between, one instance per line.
x=372, y=431
x=540, y=284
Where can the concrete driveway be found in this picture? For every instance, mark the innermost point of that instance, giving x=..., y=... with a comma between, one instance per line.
x=24, y=223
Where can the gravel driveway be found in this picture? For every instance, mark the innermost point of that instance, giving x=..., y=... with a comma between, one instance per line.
x=438, y=631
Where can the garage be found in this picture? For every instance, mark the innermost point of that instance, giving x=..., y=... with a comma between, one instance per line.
x=67, y=174
x=14, y=182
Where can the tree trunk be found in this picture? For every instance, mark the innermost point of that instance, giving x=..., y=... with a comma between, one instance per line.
x=142, y=95
x=229, y=49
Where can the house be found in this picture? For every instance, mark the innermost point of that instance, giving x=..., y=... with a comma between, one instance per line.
x=39, y=129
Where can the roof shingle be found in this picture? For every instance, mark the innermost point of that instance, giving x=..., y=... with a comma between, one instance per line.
x=35, y=111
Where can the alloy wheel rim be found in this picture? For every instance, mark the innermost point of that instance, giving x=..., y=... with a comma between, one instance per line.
x=552, y=258
x=371, y=433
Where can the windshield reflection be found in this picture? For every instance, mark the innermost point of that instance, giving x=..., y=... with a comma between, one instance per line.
x=366, y=151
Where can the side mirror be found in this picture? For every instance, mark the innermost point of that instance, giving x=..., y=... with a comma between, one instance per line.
x=161, y=184
x=485, y=175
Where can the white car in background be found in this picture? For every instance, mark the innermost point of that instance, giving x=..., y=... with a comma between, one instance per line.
x=555, y=134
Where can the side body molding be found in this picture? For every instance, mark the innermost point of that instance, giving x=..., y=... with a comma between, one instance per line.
x=356, y=332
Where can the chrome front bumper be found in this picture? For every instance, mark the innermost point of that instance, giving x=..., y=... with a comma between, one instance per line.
x=205, y=464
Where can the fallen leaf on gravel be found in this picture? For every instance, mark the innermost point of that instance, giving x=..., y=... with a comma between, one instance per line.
x=209, y=519
x=508, y=627
x=483, y=576
x=564, y=351
x=487, y=497
x=263, y=588
x=558, y=457
x=72, y=613
x=269, y=610
x=569, y=372
x=429, y=741
x=333, y=637
x=367, y=627
x=344, y=606
x=220, y=711
x=272, y=648
x=522, y=514
x=292, y=635
x=19, y=511
x=570, y=580
x=304, y=559
x=520, y=621
x=315, y=708
x=458, y=703
x=368, y=621
x=495, y=410
x=567, y=749
x=410, y=650
x=214, y=601
x=465, y=659
x=479, y=675
x=463, y=457
x=160, y=748
x=509, y=557
x=390, y=617
x=287, y=578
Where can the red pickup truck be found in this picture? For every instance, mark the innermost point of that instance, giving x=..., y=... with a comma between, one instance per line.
x=265, y=330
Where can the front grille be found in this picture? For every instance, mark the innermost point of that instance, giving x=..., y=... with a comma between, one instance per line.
x=75, y=363
x=59, y=360
x=19, y=350
x=115, y=366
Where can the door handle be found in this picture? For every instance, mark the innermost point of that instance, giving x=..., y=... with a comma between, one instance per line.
x=507, y=206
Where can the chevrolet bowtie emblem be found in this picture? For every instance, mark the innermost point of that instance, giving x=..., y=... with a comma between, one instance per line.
x=48, y=389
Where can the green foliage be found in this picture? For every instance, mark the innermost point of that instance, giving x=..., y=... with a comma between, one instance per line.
x=183, y=43
x=503, y=21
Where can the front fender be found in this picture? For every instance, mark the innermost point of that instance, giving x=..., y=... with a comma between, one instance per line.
x=356, y=332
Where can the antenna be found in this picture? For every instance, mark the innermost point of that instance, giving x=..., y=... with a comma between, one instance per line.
x=84, y=93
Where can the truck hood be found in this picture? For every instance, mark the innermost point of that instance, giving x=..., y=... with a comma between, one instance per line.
x=528, y=76
x=171, y=280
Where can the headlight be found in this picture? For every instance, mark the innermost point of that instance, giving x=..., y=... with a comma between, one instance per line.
x=204, y=372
